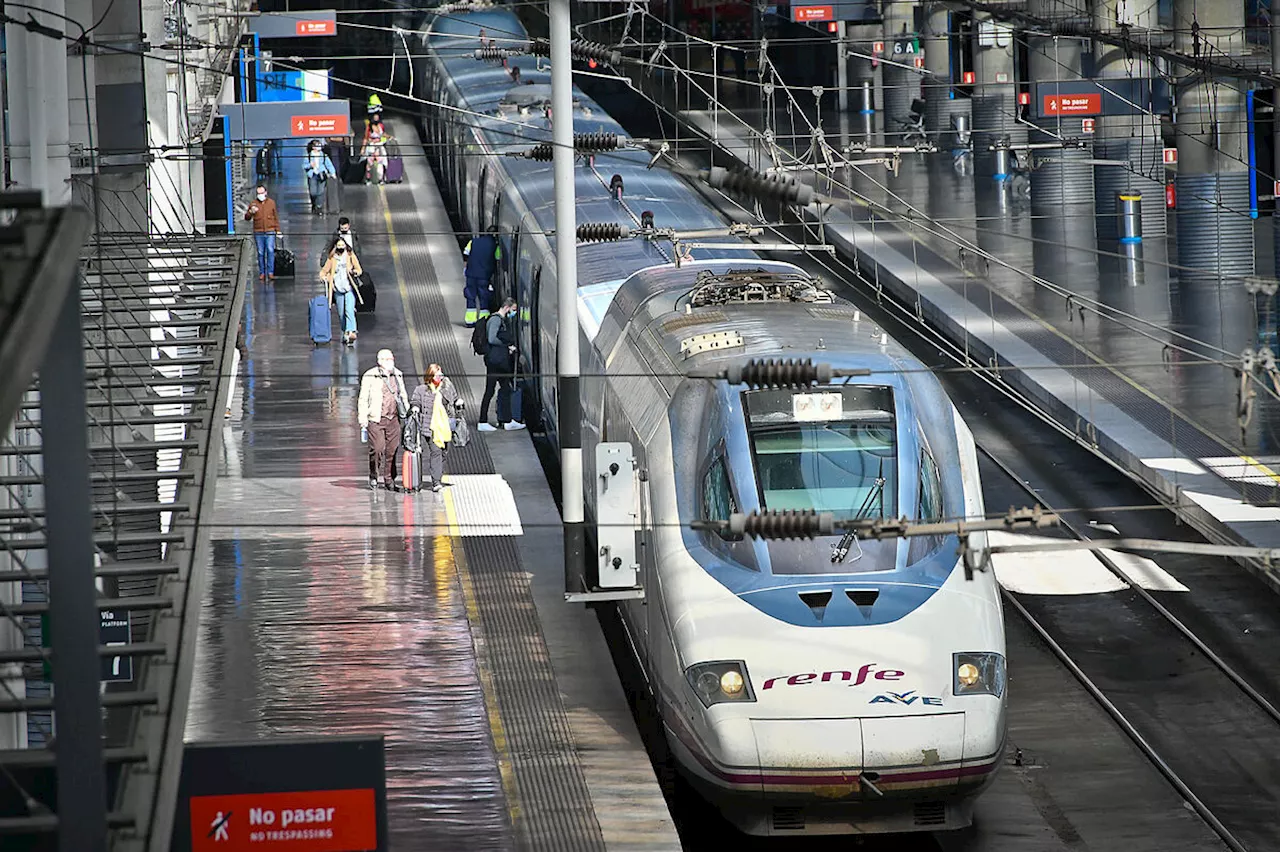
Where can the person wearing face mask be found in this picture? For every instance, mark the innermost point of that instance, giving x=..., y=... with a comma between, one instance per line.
x=438, y=401
x=383, y=403
x=375, y=152
x=339, y=276
x=266, y=227
x=344, y=234
x=318, y=170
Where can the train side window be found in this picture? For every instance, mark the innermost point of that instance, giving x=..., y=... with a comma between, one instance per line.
x=717, y=495
x=930, y=505
x=929, y=509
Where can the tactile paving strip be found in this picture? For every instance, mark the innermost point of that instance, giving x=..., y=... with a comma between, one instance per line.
x=555, y=811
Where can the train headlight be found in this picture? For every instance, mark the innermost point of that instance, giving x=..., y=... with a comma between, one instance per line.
x=978, y=673
x=720, y=682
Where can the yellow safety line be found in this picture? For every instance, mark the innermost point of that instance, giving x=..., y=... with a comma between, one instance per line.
x=1257, y=465
x=496, y=727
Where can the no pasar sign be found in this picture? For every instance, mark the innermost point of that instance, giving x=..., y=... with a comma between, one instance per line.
x=311, y=821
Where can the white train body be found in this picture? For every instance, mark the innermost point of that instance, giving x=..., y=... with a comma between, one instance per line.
x=800, y=692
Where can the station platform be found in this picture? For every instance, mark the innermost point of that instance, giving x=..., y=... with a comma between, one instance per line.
x=436, y=620
x=1120, y=347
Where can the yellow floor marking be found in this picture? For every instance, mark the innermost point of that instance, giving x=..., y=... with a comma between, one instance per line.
x=496, y=726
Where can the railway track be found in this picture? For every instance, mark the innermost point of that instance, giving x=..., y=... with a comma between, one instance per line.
x=1186, y=708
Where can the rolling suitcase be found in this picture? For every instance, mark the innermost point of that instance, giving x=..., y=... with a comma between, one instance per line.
x=333, y=196
x=411, y=471
x=354, y=172
x=394, y=172
x=319, y=320
x=286, y=264
x=368, y=301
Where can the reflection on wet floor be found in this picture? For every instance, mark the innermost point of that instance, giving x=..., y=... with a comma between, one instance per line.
x=332, y=609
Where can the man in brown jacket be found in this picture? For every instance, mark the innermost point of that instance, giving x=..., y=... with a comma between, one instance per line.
x=266, y=226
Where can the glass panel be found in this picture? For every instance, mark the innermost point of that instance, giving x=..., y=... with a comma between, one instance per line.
x=717, y=497
x=843, y=461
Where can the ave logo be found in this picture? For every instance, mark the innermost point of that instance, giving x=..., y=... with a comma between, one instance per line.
x=908, y=698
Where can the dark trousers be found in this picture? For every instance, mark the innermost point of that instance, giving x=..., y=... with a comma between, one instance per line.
x=502, y=383
x=384, y=443
x=432, y=462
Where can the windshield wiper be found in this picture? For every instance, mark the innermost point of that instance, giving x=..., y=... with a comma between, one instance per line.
x=874, y=497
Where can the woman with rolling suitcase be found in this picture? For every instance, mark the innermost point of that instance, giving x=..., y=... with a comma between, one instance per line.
x=438, y=401
x=340, y=274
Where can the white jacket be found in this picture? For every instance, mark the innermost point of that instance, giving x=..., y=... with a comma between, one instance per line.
x=372, y=386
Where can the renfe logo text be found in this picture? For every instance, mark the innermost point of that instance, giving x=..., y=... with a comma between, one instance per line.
x=824, y=677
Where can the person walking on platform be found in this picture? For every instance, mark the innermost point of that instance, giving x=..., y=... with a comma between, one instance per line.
x=438, y=401
x=344, y=234
x=384, y=402
x=481, y=255
x=318, y=170
x=500, y=367
x=339, y=276
x=266, y=227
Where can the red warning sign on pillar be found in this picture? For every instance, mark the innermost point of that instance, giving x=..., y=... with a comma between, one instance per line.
x=1024, y=98
x=877, y=47
x=1170, y=156
x=1086, y=126
x=1087, y=104
x=969, y=78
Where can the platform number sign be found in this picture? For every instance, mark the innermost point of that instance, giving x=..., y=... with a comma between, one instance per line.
x=113, y=629
x=906, y=47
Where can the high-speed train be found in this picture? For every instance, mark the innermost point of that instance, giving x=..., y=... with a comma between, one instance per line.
x=833, y=685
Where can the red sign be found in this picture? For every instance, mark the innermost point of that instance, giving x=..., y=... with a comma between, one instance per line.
x=1170, y=156
x=1170, y=196
x=316, y=28
x=314, y=821
x=320, y=125
x=1275, y=188
x=1024, y=98
x=969, y=78
x=833, y=27
x=919, y=61
x=1086, y=126
x=1088, y=104
x=877, y=47
x=812, y=13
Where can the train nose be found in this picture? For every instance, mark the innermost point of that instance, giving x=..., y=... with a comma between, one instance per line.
x=879, y=754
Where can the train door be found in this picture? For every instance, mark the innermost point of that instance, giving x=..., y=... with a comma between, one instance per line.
x=477, y=214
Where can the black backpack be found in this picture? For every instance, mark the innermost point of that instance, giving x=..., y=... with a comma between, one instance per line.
x=480, y=338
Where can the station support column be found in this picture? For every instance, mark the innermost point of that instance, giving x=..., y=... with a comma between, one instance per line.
x=1215, y=231
x=1133, y=139
x=995, y=97
x=1065, y=176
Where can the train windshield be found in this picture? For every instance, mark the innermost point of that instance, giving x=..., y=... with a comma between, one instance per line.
x=830, y=450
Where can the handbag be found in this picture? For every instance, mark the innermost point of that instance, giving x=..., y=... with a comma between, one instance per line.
x=461, y=431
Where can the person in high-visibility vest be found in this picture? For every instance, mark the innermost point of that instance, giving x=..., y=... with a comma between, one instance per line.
x=375, y=104
x=481, y=256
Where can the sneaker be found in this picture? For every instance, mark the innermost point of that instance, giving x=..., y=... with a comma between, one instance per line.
x=435, y=486
x=373, y=484
x=487, y=427
x=513, y=426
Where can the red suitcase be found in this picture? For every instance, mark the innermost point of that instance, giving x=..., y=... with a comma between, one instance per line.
x=411, y=471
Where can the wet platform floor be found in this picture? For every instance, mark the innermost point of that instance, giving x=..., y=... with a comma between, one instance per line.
x=436, y=621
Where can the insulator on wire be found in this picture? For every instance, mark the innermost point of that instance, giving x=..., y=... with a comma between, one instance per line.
x=580, y=49
x=758, y=185
x=785, y=524
x=778, y=373
x=582, y=142
x=602, y=232
x=494, y=54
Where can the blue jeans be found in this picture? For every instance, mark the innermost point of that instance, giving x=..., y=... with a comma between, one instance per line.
x=266, y=253
x=315, y=186
x=346, y=303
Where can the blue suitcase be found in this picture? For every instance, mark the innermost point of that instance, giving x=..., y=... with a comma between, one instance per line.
x=319, y=320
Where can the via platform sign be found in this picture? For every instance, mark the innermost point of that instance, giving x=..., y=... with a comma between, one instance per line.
x=1121, y=96
x=287, y=119
x=113, y=629
x=314, y=794
x=295, y=24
